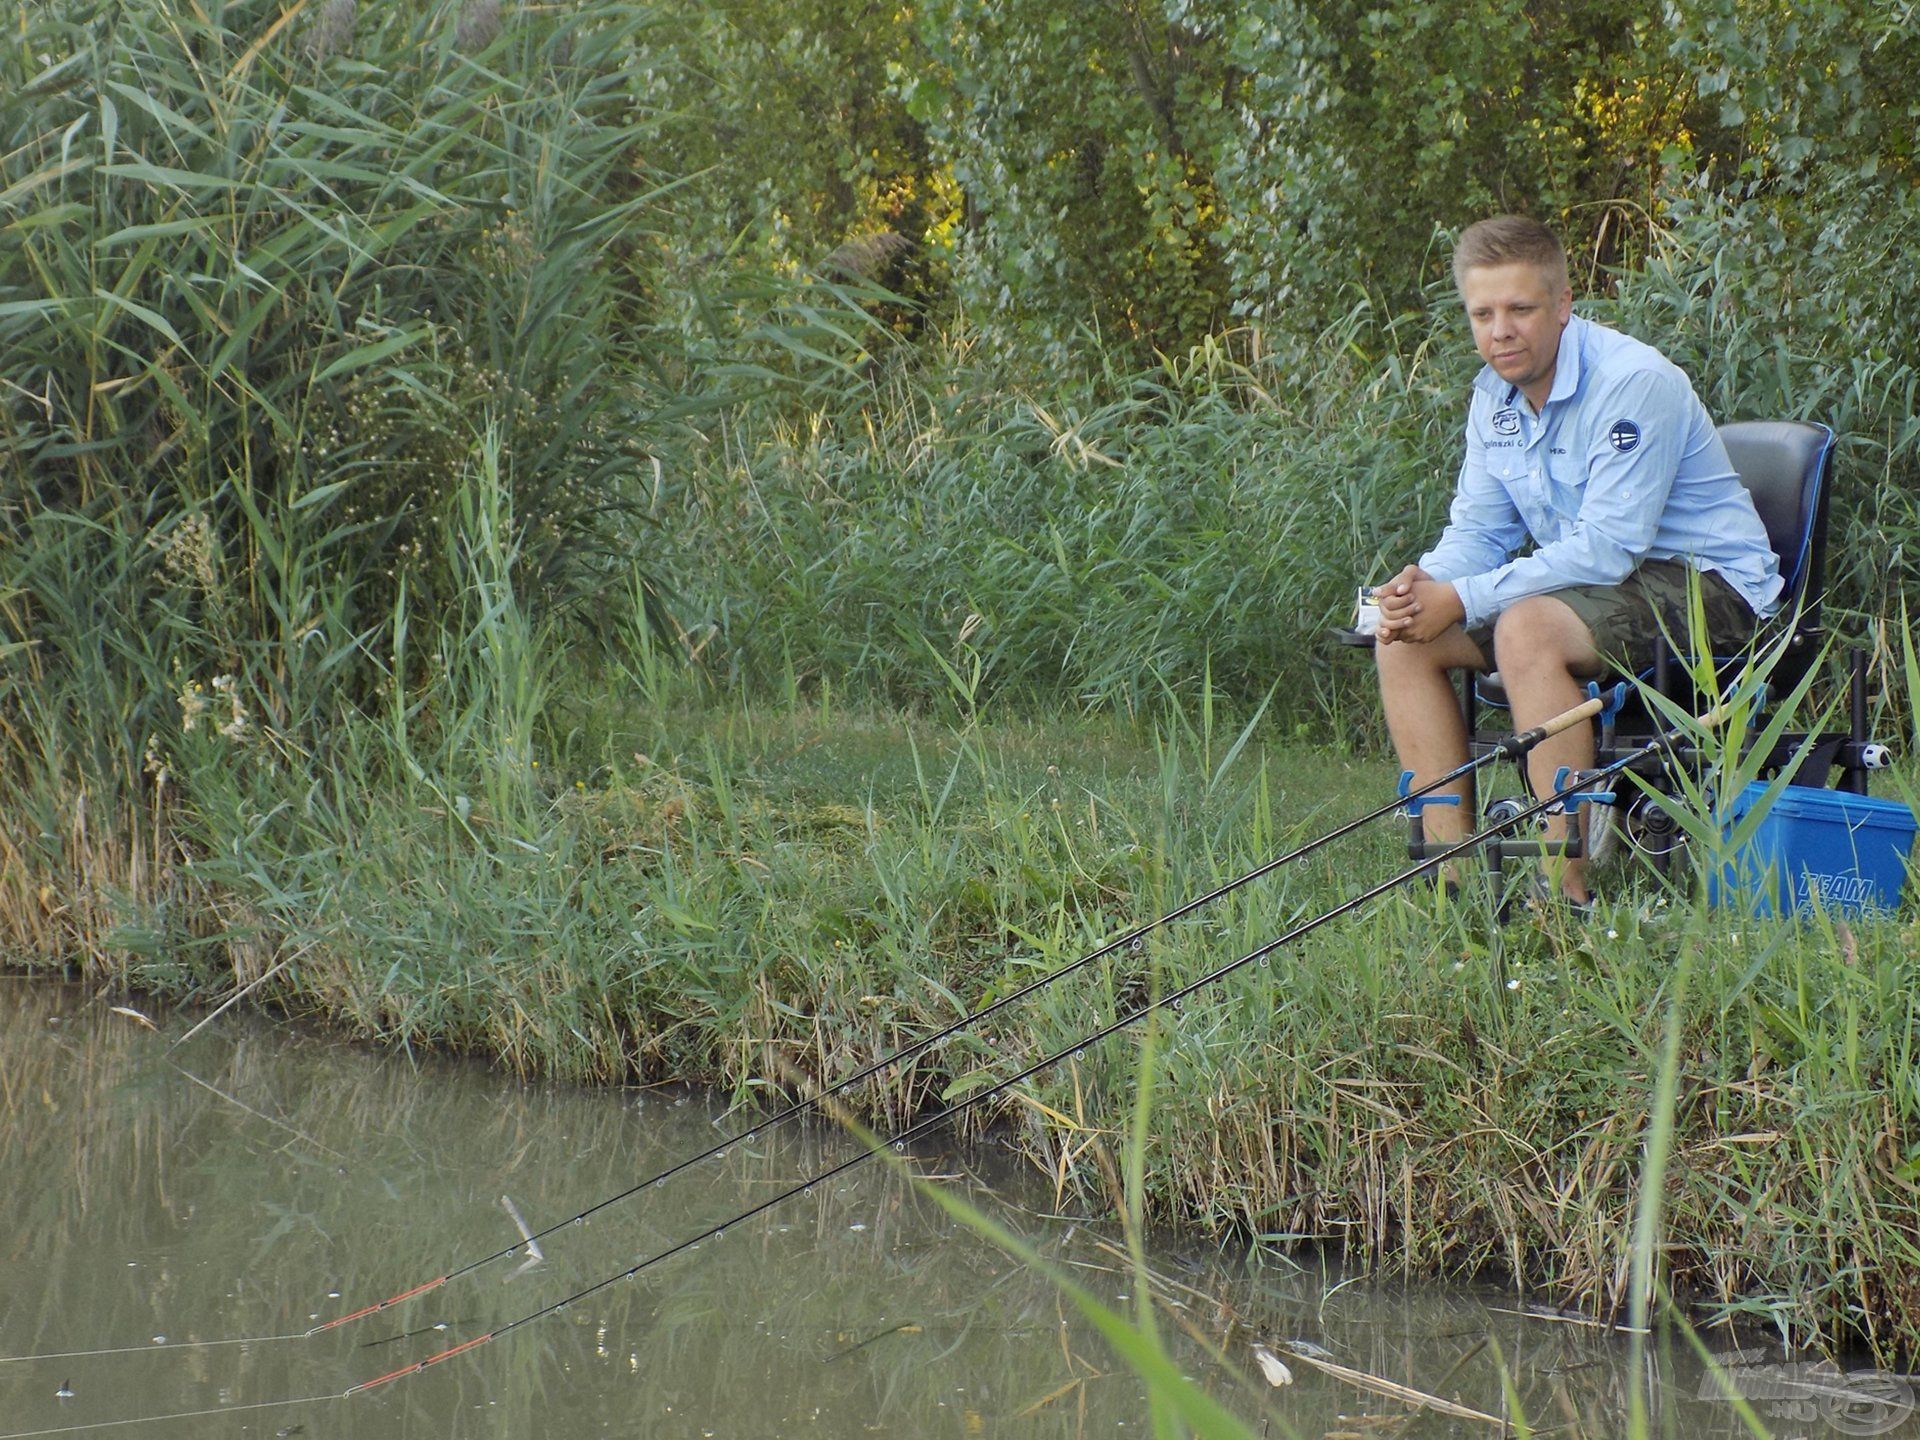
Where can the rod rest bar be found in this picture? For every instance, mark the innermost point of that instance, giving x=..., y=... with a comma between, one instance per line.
x=1571, y=848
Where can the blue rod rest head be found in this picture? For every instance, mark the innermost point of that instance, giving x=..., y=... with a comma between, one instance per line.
x=1612, y=699
x=1414, y=807
x=1574, y=799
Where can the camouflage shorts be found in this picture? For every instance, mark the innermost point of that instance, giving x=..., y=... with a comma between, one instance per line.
x=1626, y=619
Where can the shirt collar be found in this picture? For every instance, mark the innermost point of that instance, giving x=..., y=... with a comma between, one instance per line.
x=1566, y=365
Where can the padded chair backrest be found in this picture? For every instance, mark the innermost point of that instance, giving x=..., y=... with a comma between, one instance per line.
x=1786, y=466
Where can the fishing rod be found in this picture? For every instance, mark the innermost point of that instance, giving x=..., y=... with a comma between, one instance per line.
x=1512, y=746
x=1655, y=748
x=1509, y=747
x=1580, y=784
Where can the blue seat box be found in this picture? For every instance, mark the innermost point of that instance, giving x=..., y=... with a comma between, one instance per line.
x=1832, y=848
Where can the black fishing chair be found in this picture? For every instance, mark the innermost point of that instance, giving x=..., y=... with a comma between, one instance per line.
x=1787, y=466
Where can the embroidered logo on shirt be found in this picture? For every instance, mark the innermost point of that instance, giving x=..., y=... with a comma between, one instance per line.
x=1506, y=422
x=1623, y=436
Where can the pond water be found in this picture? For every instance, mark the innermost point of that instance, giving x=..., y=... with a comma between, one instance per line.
x=178, y=1222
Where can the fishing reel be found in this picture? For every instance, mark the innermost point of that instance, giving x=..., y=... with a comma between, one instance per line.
x=1651, y=829
x=1505, y=809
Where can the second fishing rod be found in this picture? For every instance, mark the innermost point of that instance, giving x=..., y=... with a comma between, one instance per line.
x=1660, y=747
x=1511, y=747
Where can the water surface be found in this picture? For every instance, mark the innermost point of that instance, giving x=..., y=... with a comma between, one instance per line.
x=263, y=1179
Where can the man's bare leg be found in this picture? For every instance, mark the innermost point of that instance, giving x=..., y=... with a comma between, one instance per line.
x=1541, y=648
x=1423, y=717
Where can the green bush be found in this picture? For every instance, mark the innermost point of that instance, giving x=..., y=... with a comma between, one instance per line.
x=1161, y=170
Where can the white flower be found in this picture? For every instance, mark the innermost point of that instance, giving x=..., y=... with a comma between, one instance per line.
x=193, y=704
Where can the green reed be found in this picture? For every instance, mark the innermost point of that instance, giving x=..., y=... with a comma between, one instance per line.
x=1085, y=534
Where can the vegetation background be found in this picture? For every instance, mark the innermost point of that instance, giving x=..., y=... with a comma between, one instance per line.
x=699, y=540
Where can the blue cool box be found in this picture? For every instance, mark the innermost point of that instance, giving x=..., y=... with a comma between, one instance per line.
x=1827, y=847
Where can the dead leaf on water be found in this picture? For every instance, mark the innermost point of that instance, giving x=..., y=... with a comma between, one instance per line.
x=1272, y=1366
x=133, y=1014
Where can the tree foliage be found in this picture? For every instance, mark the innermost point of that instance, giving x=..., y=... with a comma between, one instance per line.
x=1165, y=168
x=785, y=118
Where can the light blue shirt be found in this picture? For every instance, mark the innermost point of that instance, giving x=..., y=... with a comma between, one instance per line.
x=1621, y=465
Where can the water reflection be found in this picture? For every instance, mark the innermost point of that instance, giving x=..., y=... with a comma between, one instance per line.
x=271, y=1180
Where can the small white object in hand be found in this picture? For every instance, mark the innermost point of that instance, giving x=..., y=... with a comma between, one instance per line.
x=1366, y=613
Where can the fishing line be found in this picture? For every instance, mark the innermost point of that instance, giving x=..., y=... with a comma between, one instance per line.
x=156, y=1348
x=899, y=1140
x=209, y=1086
x=174, y=1415
x=1510, y=747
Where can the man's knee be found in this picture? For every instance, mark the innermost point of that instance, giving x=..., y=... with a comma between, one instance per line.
x=1403, y=662
x=1541, y=631
x=1391, y=659
x=1411, y=660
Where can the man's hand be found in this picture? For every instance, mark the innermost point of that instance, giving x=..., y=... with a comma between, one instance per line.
x=1395, y=597
x=1414, y=606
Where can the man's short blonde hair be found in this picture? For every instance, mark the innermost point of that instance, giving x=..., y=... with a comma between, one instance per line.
x=1508, y=240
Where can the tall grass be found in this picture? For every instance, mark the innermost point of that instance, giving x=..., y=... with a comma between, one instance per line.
x=1101, y=536
x=1097, y=538
x=277, y=282
x=265, y=271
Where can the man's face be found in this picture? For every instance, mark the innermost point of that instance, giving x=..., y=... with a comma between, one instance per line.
x=1517, y=317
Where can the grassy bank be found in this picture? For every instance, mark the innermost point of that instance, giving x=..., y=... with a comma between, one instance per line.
x=746, y=892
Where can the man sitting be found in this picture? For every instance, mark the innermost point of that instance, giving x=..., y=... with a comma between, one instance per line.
x=1594, y=447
